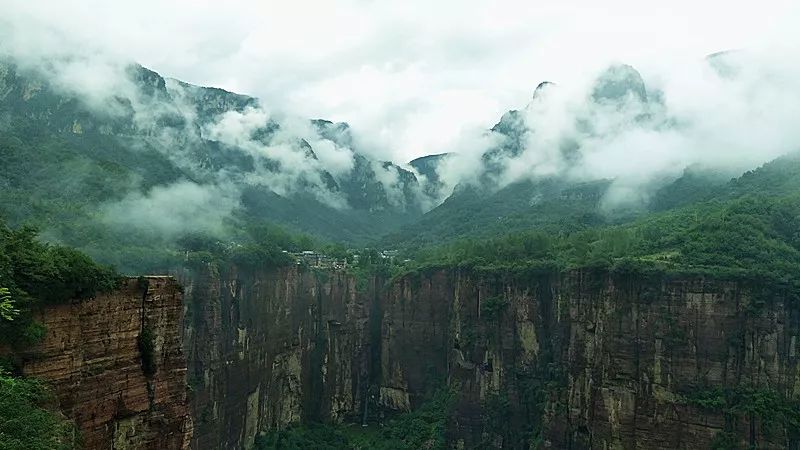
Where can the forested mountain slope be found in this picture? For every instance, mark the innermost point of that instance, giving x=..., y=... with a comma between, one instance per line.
x=101, y=167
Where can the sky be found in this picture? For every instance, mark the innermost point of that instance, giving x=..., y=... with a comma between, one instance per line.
x=411, y=77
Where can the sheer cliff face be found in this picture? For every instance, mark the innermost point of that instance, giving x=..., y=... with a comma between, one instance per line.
x=587, y=360
x=576, y=360
x=542, y=360
x=91, y=356
x=271, y=348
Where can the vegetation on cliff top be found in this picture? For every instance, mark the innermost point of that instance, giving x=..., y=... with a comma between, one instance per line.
x=751, y=236
x=258, y=245
x=34, y=273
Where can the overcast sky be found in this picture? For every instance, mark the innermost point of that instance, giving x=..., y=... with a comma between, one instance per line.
x=409, y=76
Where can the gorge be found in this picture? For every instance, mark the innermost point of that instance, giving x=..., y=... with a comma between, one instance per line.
x=590, y=358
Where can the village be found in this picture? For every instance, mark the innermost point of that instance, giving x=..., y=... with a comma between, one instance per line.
x=320, y=260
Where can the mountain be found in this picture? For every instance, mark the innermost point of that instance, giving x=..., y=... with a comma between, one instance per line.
x=537, y=305
x=96, y=164
x=428, y=167
x=535, y=179
x=95, y=167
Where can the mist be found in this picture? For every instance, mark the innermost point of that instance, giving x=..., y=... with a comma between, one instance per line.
x=409, y=86
x=172, y=210
x=727, y=113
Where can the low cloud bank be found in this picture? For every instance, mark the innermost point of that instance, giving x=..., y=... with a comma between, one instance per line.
x=730, y=112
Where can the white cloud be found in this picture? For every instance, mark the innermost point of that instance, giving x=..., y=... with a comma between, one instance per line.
x=283, y=164
x=416, y=77
x=168, y=211
x=408, y=76
x=697, y=116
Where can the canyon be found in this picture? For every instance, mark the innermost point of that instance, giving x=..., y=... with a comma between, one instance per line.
x=537, y=358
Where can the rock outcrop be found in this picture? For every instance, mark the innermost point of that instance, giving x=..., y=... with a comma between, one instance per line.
x=92, y=356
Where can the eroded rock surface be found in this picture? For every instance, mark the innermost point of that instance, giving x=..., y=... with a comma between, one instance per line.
x=91, y=356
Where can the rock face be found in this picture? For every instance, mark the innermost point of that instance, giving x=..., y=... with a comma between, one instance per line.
x=575, y=360
x=538, y=359
x=591, y=360
x=91, y=356
x=271, y=348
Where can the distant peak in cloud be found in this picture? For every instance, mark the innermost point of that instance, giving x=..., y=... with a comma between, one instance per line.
x=542, y=88
x=619, y=81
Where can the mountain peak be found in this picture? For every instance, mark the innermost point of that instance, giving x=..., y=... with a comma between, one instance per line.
x=542, y=88
x=617, y=82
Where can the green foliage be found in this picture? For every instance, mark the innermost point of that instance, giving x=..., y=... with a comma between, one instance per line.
x=29, y=419
x=712, y=399
x=498, y=414
x=774, y=412
x=337, y=251
x=493, y=307
x=32, y=333
x=316, y=436
x=557, y=207
x=518, y=423
x=370, y=266
x=261, y=245
x=7, y=310
x=34, y=273
x=550, y=206
x=147, y=347
x=725, y=440
x=57, y=182
x=749, y=237
x=423, y=428
x=50, y=273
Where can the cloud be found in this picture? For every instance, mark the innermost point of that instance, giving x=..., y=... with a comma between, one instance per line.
x=465, y=164
x=725, y=117
x=337, y=160
x=391, y=69
x=415, y=78
x=285, y=161
x=166, y=212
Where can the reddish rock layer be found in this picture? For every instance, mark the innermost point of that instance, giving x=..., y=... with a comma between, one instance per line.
x=91, y=357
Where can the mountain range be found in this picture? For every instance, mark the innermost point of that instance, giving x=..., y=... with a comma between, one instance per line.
x=98, y=165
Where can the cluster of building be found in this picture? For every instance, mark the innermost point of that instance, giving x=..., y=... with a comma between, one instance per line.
x=317, y=259
x=322, y=261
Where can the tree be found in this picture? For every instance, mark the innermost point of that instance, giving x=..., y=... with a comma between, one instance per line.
x=7, y=310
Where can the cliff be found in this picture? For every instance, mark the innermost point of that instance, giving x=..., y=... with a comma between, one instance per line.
x=538, y=359
x=577, y=360
x=91, y=355
x=595, y=360
x=271, y=348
